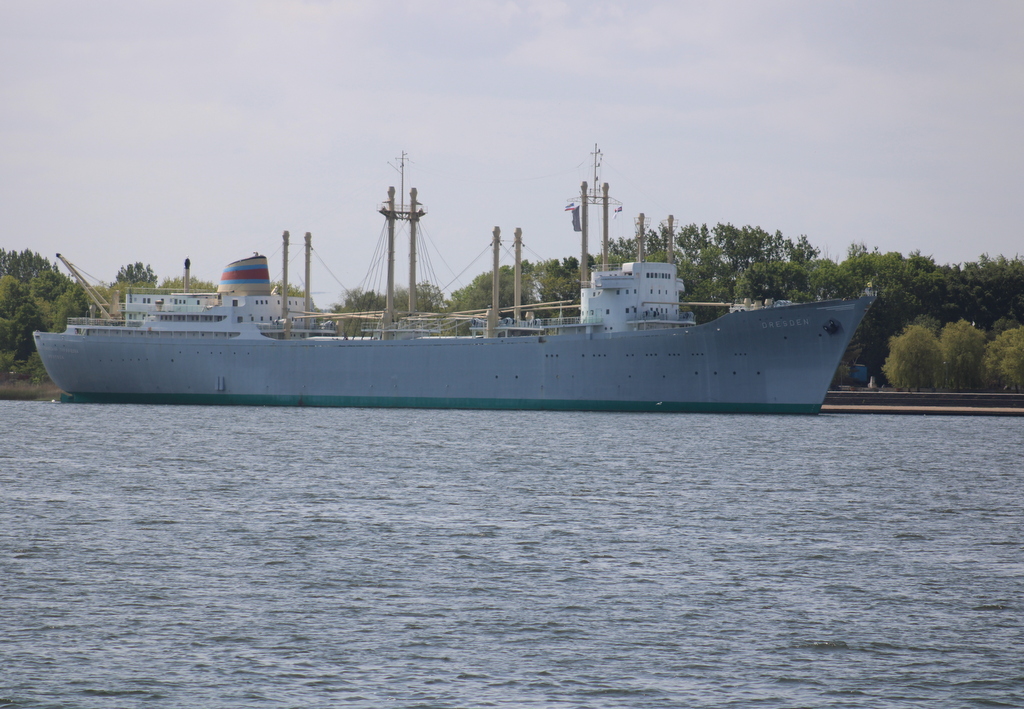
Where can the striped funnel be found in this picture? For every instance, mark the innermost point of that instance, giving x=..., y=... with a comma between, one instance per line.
x=250, y=276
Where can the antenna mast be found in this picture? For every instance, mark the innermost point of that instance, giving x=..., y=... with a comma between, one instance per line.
x=596, y=194
x=401, y=172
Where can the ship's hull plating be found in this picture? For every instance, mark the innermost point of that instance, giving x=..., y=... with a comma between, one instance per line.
x=775, y=360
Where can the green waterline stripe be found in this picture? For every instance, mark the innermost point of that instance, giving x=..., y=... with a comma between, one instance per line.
x=399, y=402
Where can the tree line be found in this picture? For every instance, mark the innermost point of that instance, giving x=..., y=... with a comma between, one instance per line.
x=723, y=263
x=955, y=356
x=34, y=295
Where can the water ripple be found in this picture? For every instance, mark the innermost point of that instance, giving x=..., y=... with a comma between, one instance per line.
x=269, y=557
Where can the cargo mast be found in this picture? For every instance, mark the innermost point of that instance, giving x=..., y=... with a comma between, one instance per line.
x=411, y=215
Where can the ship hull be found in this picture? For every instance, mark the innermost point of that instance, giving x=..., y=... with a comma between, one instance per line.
x=773, y=360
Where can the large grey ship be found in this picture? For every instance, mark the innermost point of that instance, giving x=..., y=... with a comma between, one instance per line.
x=633, y=347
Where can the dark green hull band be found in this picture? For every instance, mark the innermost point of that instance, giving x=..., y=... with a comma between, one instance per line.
x=374, y=402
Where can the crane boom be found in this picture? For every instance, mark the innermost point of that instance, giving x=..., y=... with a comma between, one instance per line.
x=109, y=311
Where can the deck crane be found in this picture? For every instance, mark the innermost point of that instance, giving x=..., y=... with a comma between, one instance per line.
x=111, y=309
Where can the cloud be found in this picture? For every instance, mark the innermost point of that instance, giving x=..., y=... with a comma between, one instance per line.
x=135, y=130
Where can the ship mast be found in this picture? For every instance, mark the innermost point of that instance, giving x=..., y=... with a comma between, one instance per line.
x=588, y=197
x=641, y=228
x=517, y=306
x=309, y=250
x=584, y=257
x=492, y=314
x=671, y=239
x=285, y=314
x=412, y=215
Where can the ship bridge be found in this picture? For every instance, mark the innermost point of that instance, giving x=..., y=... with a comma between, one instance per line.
x=636, y=296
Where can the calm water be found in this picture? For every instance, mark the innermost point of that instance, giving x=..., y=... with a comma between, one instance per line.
x=258, y=557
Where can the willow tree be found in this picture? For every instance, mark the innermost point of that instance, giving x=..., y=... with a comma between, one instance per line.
x=915, y=358
x=1004, y=358
x=963, y=354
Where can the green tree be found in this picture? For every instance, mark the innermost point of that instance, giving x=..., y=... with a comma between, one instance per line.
x=1013, y=359
x=706, y=274
x=726, y=263
x=907, y=287
x=477, y=295
x=58, y=298
x=195, y=285
x=429, y=298
x=50, y=285
x=72, y=303
x=20, y=316
x=135, y=274
x=915, y=359
x=558, y=280
x=985, y=291
x=827, y=280
x=744, y=246
x=358, y=300
x=929, y=321
x=1004, y=358
x=295, y=290
x=963, y=355
x=1002, y=325
x=778, y=280
x=23, y=266
x=801, y=250
x=33, y=367
x=43, y=301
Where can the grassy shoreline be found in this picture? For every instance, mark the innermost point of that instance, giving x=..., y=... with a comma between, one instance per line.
x=25, y=391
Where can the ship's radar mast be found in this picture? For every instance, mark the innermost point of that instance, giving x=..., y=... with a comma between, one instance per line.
x=593, y=194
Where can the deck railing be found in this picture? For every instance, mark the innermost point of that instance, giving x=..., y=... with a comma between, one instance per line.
x=102, y=322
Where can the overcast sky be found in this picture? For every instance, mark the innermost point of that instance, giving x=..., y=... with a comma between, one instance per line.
x=134, y=130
